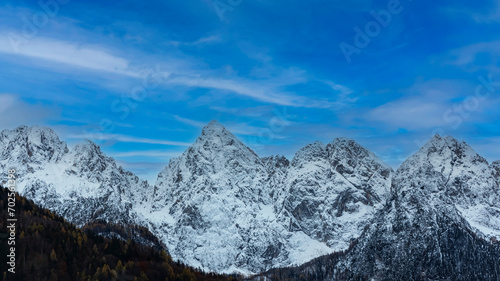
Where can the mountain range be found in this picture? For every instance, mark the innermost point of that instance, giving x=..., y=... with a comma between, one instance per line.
x=221, y=207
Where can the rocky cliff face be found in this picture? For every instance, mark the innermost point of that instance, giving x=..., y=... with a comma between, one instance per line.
x=29, y=148
x=440, y=221
x=446, y=172
x=229, y=210
x=495, y=167
x=333, y=190
x=438, y=224
x=220, y=207
x=81, y=184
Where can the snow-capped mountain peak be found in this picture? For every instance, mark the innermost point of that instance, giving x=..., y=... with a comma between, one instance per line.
x=349, y=158
x=29, y=147
x=441, y=160
x=214, y=127
x=87, y=158
x=446, y=173
x=311, y=151
x=221, y=207
x=443, y=210
x=214, y=131
x=80, y=183
x=215, y=138
x=332, y=191
x=220, y=188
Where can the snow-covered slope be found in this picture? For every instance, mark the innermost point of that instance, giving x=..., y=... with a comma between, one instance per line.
x=439, y=223
x=449, y=173
x=495, y=166
x=217, y=206
x=221, y=207
x=334, y=190
x=29, y=148
x=81, y=184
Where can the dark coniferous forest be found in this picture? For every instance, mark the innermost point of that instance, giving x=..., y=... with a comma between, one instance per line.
x=48, y=248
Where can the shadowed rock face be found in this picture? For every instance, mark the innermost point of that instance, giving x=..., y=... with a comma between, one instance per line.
x=220, y=207
x=435, y=245
x=82, y=184
x=270, y=211
x=439, y=224
x=495, y=166
x=446, y=172
x=29, y=148
x=333, y=190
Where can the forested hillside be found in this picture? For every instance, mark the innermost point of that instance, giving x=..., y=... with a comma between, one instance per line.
x=50, y=248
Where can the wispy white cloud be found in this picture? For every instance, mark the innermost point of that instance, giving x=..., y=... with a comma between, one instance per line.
x=468, y=55
x=68, y=53
x=202, y=41
x=345, y=91
x=13, y=112
x=129, y=139
x=484, y=16
x=409, y=113
x=240, y=128
x=146, y=153
x=254, y=52
x=345, y=94
x=102, y=59
x=191, y=122
x=208, y=39
x=423, y=105
x=486, y=147
x=6, y=102
x=492, y=16
x=268, y=91
x=237, y=87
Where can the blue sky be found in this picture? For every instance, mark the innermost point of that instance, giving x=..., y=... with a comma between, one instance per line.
x=142, y=78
